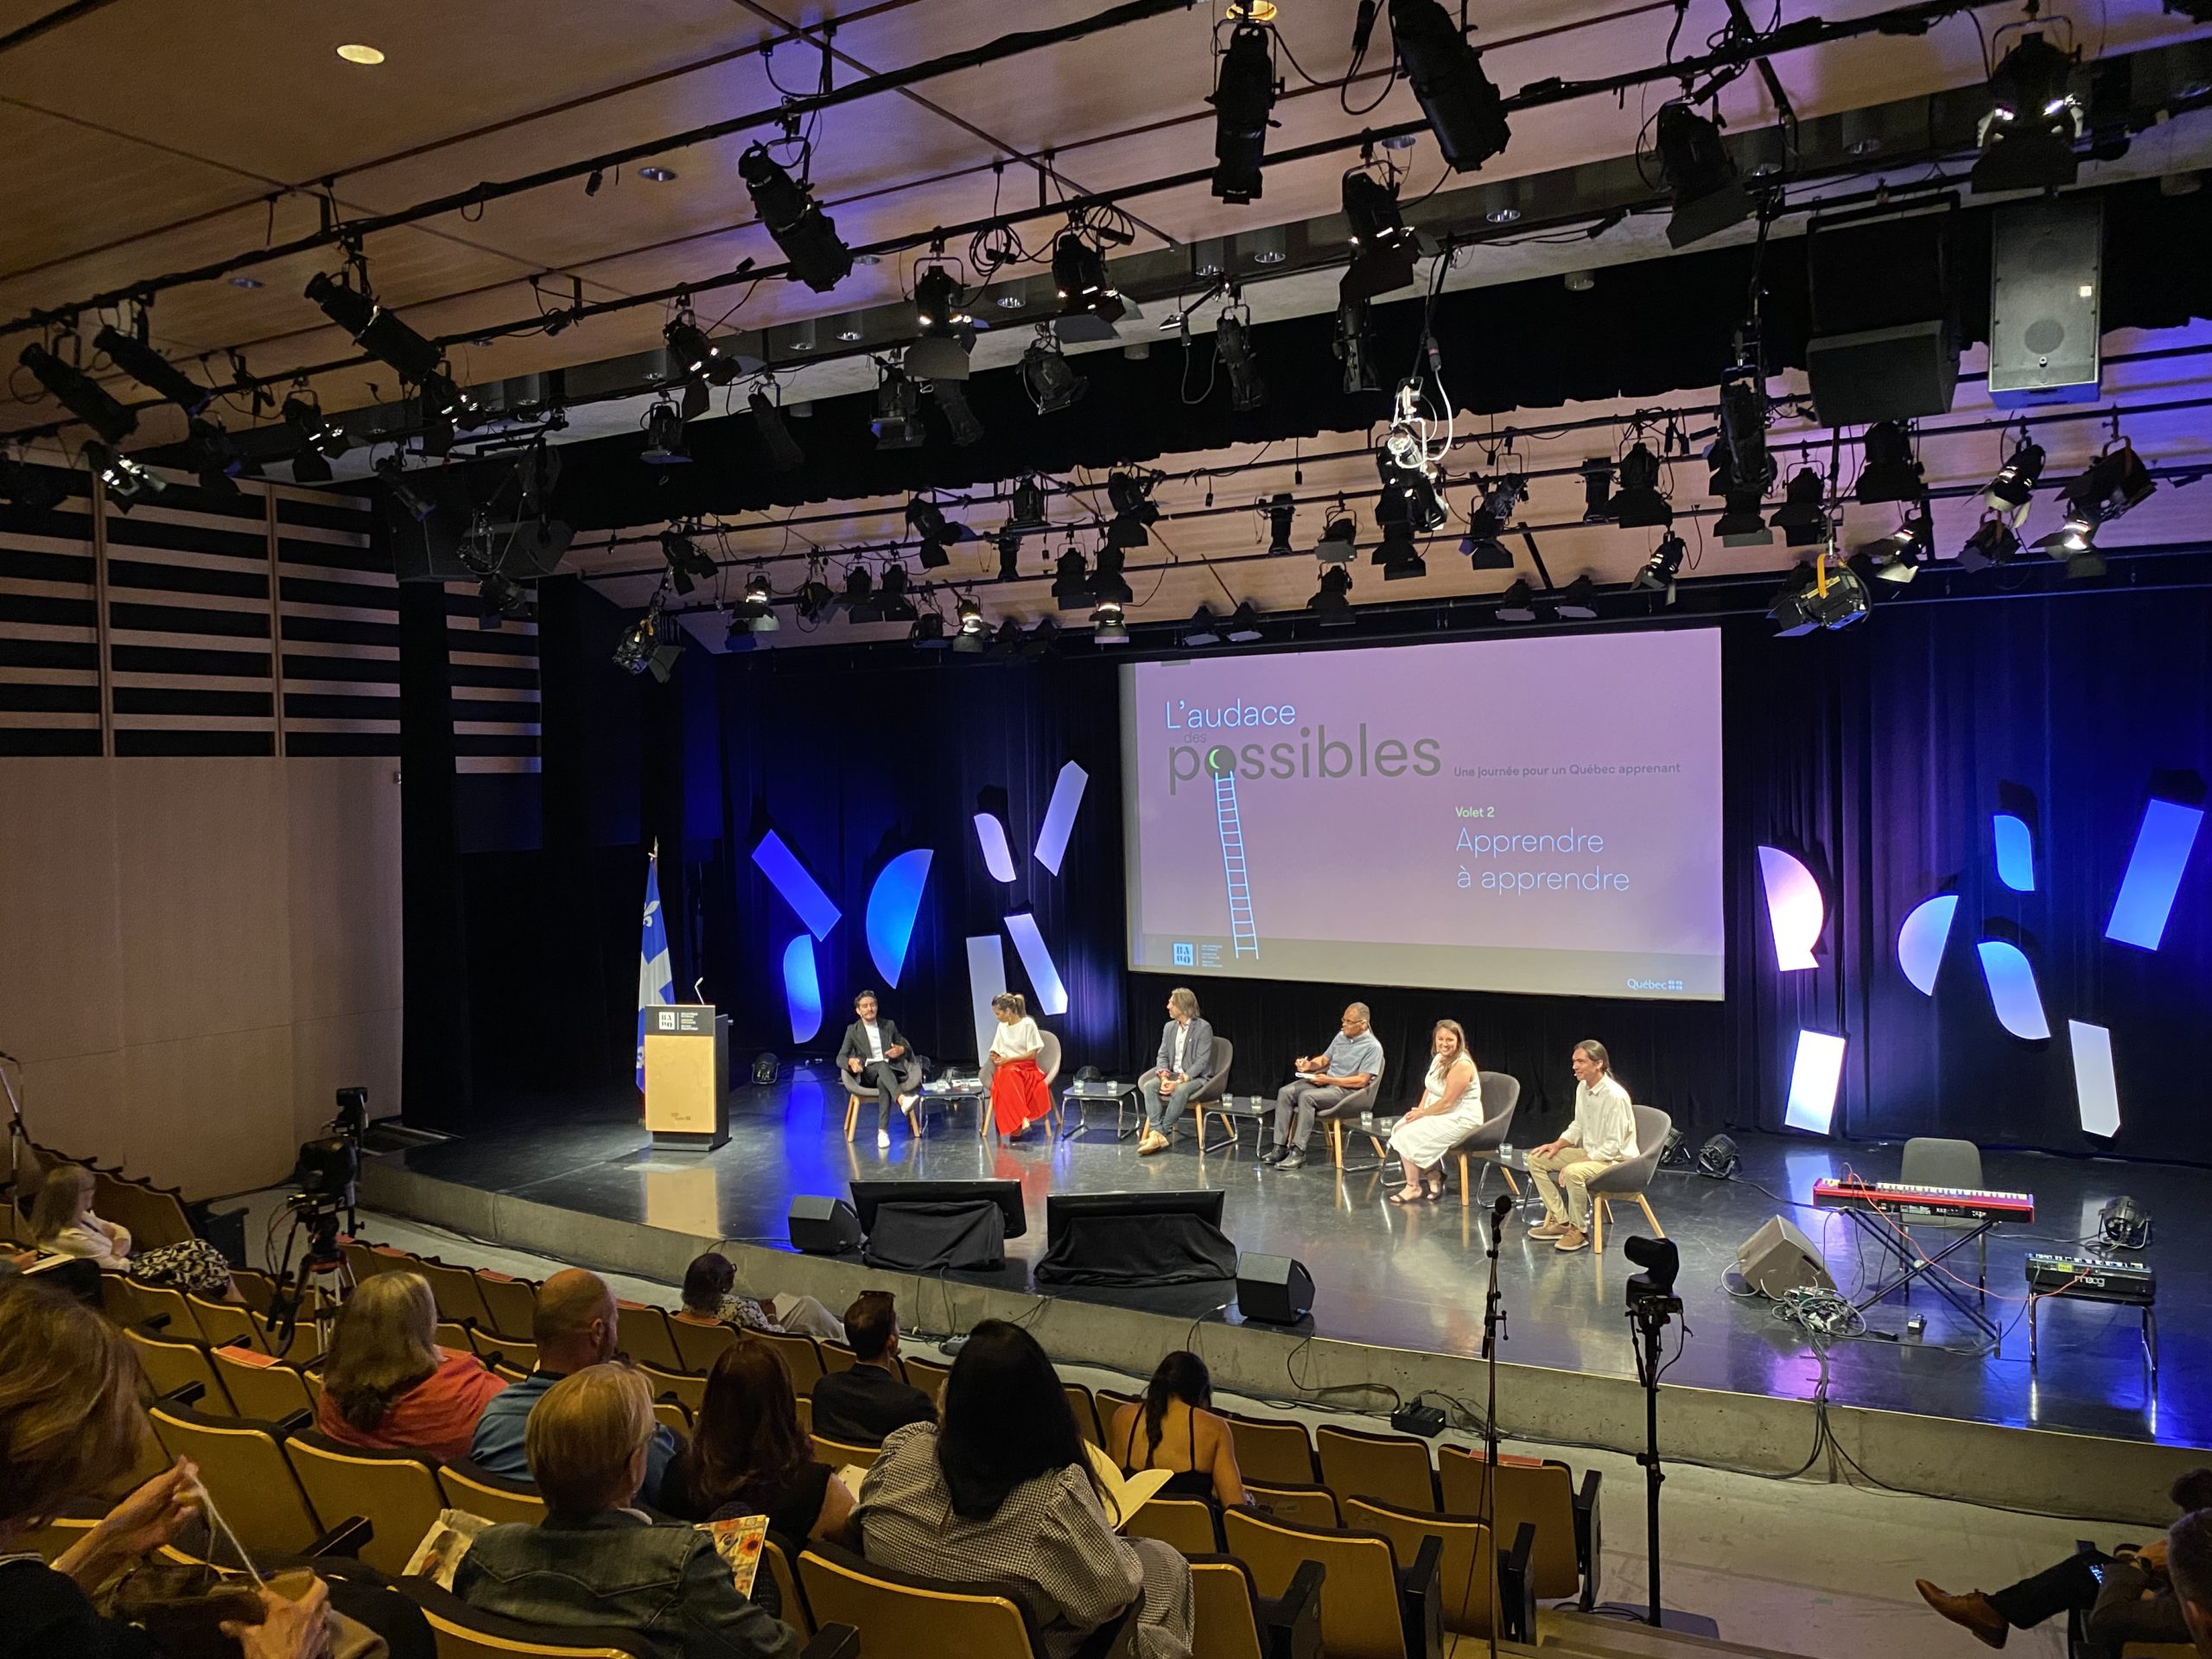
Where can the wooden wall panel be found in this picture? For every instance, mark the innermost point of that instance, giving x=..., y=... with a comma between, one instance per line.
x=212, y=1113
x=336, y=1053
x=58, y=909
x=74, y=1101
x=343, y=907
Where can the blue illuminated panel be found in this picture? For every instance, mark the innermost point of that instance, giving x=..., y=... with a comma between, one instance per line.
x=1029, y=945
x=2013, y=990
x=1813, y=1079
x=1921, y=940
x=998, y=857
x=892, y=904
x=2016, y=854
x=2146, y=892
x=2096, y=1090
x=986, y=979
x=802, y=988
x=801, y=891
x=1059, y=816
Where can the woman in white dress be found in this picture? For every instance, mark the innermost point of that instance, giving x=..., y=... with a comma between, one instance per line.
x=1451, y=1109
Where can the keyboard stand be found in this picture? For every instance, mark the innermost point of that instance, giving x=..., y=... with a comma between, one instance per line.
x=1894, y=1237
x=2150, y=1331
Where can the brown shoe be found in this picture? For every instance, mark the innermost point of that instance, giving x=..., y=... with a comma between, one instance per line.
x=1572, y=1239
x=1971, y=1611
x=1151, y=1144
x=1548, y=1229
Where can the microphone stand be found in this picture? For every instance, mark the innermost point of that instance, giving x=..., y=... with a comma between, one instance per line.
x=1494, y=1332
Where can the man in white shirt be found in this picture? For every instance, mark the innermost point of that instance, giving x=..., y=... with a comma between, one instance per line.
x=1602, y=1135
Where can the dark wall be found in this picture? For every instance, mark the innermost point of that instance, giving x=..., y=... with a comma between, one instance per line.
x=1877, y=755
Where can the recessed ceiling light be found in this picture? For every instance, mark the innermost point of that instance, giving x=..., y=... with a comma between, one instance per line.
x=245, y=282
x=867, y=259
x=849, y=334
x=1011, y=301
x=1503, y=215
x=359, y=53
x=1267, y=257
x=658, y=174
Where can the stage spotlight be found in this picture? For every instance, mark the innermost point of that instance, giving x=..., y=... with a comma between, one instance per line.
x=1700, y=177
x=1354, y=348
x=1046, y=375
x=153, y=371
x=1009, y=555
x=1638, y=505
x=948, y=331
x=1107, y=582
x=1888, y=471
x=2113, y=483
x=1803, y=520
x=664, y=445
x=1080, y=279
x=928, y=632
x=698, y=355
x=1578, y=601
x=305, y=417
x=970, y=632
x=952, y=398
x=1331, y=602
x=375, y=330
x=857, y=599
x=1484, y=550
x=1660, y=571
x=497, y=599
x=309, y=467
x=1739, y=523
x=1517, y=603
x=2034, y=120
x=1232, y=339
x=1339, y=541
x=35, y=489
x=816, y=599
x=1598, y=490
x=783, y=455
x=1244, y=96
x=1993, y=541
x=898, y=422
x=1008, y=640
x=1384, y=250
x=806, y=234
x=1461, y=106
x=125, y=481
x=403, y=495
x=893, y=602
x=1040, y=639
x=79, y=394
x=1028, y=509
x=756, y=610
x=210, y=454
x=1281, y=510
x=1899, y=555
x=1202, y=629
x=1107, y=626
x=1398, y=555
x=2014, y=486
x=1072, y=582
x=687, y=565
x=1818, y=597
x=1243, y=625
x=648, y=645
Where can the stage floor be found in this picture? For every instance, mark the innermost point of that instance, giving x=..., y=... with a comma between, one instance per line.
x=1412, y=1277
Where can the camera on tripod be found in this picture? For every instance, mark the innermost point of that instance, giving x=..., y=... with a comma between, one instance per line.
x=1651, y=1298
x=328, y=1174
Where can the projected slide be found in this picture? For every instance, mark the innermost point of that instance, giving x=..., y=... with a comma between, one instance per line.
x=1498, y=815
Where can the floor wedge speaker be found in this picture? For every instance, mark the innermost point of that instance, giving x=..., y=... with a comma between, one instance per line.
x=1779, y=1258
x=1274, y=1289
x=821, y=1226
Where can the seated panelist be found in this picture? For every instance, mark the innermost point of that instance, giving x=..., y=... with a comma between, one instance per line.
x=874, y=1053
x=1352, y=1060
x=1185, y=1061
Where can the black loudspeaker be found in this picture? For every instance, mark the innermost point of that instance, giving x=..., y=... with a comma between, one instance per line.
x=1273, y=1289
x=2045, y=283
x=823, y=1226
x=1779, y=1258
x=1884, y=344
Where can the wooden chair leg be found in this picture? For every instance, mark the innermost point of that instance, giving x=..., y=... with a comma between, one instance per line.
x=1466, y=1195
x=852, y=1114
x=1511, y=1186
x=1658, y=1231
x=1337, y=1141
x=1597, y=1226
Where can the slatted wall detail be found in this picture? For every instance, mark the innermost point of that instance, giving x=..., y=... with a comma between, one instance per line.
x=50, y=699
x=340, y=623
x=494, y=672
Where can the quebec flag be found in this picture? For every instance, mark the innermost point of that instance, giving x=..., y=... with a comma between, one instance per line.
x=656, y=979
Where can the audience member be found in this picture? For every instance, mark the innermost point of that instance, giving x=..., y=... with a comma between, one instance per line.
x=1002, y=1490
x=62, y=1223
x=860, y=1405
x=749, y=1456
x=597, y=1561
x=71, y=1426
x=2189, y=1567
x=710, y=1297
x=385, y=1382
x=2127, y=1595
x=576, y=1326
x=1179, y=1432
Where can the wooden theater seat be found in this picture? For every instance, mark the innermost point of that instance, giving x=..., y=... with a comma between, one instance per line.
x=1469, y=1575
x=1231, y=1619
x=918, y=1618
x=1310, y=1505
x=699, y=1345
x=1189, y=1525
x=645, y=1335
x=1275, y=1451
x=174, y=1368
x=510, y=1304
x=243, y=1465
x=1371, y=1608
x=398, y=1493
x=801, y=1355
x=260, y=1387
x=1565, y=1560
x=494, y=1498
x=1392, y=1467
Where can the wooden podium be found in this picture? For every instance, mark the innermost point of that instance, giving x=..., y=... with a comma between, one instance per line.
x=687, y=1075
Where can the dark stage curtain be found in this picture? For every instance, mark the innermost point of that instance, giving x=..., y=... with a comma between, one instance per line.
x=1876, y=755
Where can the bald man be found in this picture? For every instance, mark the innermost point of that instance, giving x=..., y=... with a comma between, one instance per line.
x=576, y=1325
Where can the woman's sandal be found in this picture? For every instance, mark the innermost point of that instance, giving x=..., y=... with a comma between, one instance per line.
x=1400, y=1196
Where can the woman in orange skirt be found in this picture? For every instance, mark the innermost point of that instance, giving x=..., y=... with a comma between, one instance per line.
x=1018, y=1094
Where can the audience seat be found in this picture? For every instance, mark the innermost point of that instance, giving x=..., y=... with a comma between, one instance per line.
x=454, y=1290
x=1274, y=1450
x=222, y=1323
x=1392, y=1467
x=699, y=1345
x=365, y=1259
x=1469, y=1570
x=1371, y=1608
x=243, y=1465
x=1312, y=1506
x=467, y=1632
x=801, y=1355
x=911, y=1617
x=789, y=1597
x=646, y=1336
x=805, y=1414
x=398, y=1491
x=494, y=1498
x=520, y=1352
x=171, y=1366
x=1111, y=1401
x=1565, y=1560
x=671, y=1415
x=838, y=1453
x=118, y=1295
x=1189, y=1525
x=511, y=1304
x=927, y=1375
x=1231, y=1620
x=260, y=1387
x=454, y=1339
x=690, y=1387
x=169, y=1310
x=306, y=1345
x=1086, y=1412
x=836, y=1357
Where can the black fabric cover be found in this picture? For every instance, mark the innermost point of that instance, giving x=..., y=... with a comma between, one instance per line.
x=928, y=1237
x=1140, y=1249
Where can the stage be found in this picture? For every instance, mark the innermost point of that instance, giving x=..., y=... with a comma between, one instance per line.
x=1404, y=1283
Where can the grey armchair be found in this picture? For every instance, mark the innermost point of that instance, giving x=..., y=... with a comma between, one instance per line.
x=1630, y=1179
x=1048, y=1062
x=909, y=1079
x=1215, y=1086
x=1501, y=1099
x=1348, y=1109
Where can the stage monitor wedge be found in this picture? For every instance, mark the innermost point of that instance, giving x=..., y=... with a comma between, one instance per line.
x=1779, y=1258
x=820, y=1226
x=1274, y=1290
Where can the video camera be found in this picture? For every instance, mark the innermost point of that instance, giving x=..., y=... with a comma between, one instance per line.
x=1651, y=1296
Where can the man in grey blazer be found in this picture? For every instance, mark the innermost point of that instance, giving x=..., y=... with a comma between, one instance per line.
x=1185, y=1061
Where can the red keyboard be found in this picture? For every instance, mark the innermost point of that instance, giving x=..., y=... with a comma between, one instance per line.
x=1925, y=1202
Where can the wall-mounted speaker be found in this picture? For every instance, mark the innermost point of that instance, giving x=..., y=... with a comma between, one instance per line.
x=2046, y=294
x=1274, y=1289
x=821, y=1226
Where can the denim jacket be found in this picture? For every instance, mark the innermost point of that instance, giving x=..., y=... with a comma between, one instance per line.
x=619, y=1571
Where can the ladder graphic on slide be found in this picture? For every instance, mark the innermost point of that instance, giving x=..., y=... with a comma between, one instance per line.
x=1244, y=936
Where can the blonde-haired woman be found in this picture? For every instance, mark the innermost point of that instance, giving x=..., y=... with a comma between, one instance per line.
x=386, y=1383
x=1019, y=1095
x=62, y=1223
x=1451, y=1109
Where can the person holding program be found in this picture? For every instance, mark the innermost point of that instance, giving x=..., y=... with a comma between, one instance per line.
x=1602, y=1135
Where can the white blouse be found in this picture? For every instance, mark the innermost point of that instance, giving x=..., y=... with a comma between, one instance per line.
x=1018, y=1041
